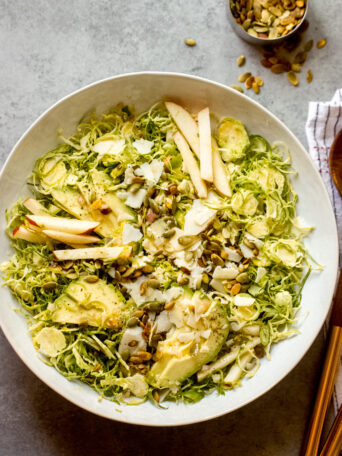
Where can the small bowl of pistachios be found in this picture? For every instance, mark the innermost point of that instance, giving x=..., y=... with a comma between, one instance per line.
x=266, y=21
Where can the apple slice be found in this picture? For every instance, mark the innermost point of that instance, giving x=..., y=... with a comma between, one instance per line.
x=220, y=171
x=23, y=233
x=93, y=253
x=70, y=238
x=186, y=125
x=34, y=206
x=205, y=145
x=191, y=164
x=62, y=224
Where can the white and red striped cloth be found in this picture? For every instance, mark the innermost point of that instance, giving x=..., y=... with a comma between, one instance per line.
x=323, y=124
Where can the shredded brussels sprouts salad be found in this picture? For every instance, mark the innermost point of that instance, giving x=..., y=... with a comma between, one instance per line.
x=158, y=258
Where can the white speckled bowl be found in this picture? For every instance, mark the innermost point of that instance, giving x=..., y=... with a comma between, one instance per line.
x=142, y=90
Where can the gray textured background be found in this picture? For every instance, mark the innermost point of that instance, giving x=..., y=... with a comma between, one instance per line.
x=50, y=48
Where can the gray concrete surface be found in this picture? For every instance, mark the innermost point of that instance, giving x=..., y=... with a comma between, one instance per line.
x=49, y=49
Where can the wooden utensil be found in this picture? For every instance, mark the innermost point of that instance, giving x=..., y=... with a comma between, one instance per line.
x=311, y=443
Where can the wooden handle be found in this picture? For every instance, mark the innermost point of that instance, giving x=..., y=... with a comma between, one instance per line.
x=325, y=389
x=333, y=444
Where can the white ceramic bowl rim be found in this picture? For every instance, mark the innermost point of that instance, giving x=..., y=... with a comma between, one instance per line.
x=296, y=357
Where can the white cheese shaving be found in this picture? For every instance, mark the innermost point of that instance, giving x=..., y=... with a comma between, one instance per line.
x=135, y=200
x=151, y=171
x=206, y=334
x=225, y=273
x=233, y=255
x=243, y=300
x=163, y=323
x=130, y=234
x=143, y=146
x=132, y=334
x=260, y=274
x=246, y=251
x=186, y=337
x=110, y=147
x=218, y=286
x=151, y=294
x=258, y=243
x=199, y=215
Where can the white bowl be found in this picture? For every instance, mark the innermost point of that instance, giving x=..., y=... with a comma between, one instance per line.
x=142, y=90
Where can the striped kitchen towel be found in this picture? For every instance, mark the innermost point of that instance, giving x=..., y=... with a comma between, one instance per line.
x=323, y=124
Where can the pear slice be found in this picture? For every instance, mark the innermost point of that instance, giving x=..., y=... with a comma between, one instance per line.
x=221, y=173
x=93, y=253
x=65, y=225
x=186, y=124
x=23, y=233
x=69, y=238
x=206, y=160
x=191, y=165
x=34, y=206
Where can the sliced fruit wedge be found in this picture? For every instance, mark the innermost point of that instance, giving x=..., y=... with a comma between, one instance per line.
x=221, y=173
x=205, y=145
x=69, y=238
x=93, y=253
x=23, y=233
x=34, y=206
x=62, y=224
x=186, y=124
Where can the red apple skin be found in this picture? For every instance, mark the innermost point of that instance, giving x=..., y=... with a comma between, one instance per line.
x=15, y=230
x=31, y=221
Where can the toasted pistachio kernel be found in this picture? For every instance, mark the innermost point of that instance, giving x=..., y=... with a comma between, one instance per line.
x=143, y=288
x=274, y=60
x=292, y=78
x=49, y=286
x=169, y=234
x=138, y=313
x=153, y=283
x=237, y=87
x=259, y=81
x=128, y=272
x=241, y=60
x=138, y=180
x=244, y=287
x=265, y=63
x=72, y=275
x=170, y=305
x=224, y=255
x=186, y=239
x=246, y=24
x=300, y=58
x=205, y=278
x=309, y=76
x=134, y=321
x=308, y=45
x=92, y=279
x=154, y=206
x=235, y=289
x=321, y=43
x=190, y=42
x=133, y=343
x=244, y=76
x=174, y=205
x=255, y=252
x=135, y=188
x=243, y=277
x=278, y=68
x=248, y=243
x=249, y=82
x=217, y=260
x=183, y=280
x=255, y=87
x=147, y=269
x=296, y=67
x=252, y=32
x=155, y=306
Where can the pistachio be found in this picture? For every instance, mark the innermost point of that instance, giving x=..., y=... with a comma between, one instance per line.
x=259, y=81
x=170, y=305
x=224, y=255
x=173, y=189
x=321, y=43
x=188, y=256
x=255, y=87
x=154, y=206
x=133, y=321
x=308, y=45
x=235, y=289
x=236, y=87
x=248, y=243
x=309, y=76
x=92, y=279
x=186, y=240
x=242, y=277
x=266, y=63
x=143, y=288
x=135, y=188
x=278, y=68
x=244, y=76
x=133, y=343
x=205, y=278
x=153, y=283
x=49, y=286
x=155, y=339
x=174, y=205
x=293, y=78
x=241, y=60
x=295, y=67
x=154, y=306
x=138, y=313
x=249, y=82
x=217, y=260
x=190, y=42
x=147, y=269
x=300, y=58
x=169, y=234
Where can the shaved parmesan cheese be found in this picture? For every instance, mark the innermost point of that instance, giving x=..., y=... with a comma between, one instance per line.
x=185, y=337
x=130, y=335
x=243, y=300
x=130, y=234
x=225, y=273
x=135, y=200
x=260, y=274
x=199, y=216
x=206, y=334
x=110, y=147
x=233, y=255
x=246, y=251
x=151, y=294
x=218, y=286
x=151, y=171
x=258, y=243
x=143, y=146
x=163, y=323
